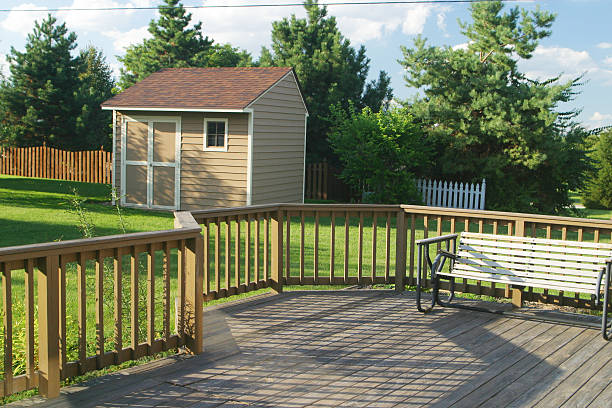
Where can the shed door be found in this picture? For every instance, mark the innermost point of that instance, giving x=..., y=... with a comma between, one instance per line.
x=151, y=170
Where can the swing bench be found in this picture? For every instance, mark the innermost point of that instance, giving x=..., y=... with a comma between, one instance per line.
x=579, y=267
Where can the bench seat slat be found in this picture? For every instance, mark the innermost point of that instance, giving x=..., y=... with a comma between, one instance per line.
x=580, y=244
x=512, y=280
x=530, y=264
x=530, y=254
x=537, y=247
x=527, y=274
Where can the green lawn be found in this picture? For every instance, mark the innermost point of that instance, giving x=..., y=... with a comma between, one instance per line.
x=36, y=210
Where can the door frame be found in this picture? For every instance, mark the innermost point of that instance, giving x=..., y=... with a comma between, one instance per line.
x=149, y=163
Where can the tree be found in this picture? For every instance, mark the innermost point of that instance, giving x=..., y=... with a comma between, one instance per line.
x=488, y=120
x=330, y=70
x=174, y=44
x=96, y=85
x=381, y=152
x=597, y=192
x=38, y=103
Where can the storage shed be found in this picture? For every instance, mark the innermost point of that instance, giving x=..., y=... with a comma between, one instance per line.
x=196, y=138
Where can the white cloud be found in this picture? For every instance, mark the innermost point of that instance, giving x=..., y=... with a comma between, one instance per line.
x=23, y=22
x=4, y=66
x=598, y=120
x=415, y=19
x=122, y=40
x=462, y=46
x=604, y=45
x=441, y=21
x=96, y=20
x=250, y=28
x=608, y=61
x=548, y=62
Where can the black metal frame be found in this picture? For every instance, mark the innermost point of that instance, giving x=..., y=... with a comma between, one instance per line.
x=437, y=265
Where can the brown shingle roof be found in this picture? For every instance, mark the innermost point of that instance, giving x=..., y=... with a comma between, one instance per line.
x=199, y=88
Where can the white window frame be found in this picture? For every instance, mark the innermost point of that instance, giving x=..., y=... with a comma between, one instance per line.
x=150, y=163
x=206, y=148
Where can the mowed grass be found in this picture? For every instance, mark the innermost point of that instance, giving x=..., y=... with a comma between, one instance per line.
x=36, y=210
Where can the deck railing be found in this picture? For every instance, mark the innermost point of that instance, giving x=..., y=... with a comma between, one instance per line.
x=133, y=285
x=321, y=244
x=74, y=277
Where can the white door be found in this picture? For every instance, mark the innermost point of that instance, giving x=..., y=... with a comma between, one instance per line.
x=150, y=153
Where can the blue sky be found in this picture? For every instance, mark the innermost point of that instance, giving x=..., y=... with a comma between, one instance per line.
x=581, y=41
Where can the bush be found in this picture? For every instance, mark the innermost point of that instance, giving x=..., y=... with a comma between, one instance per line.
x=381, y=153
x=597, y=192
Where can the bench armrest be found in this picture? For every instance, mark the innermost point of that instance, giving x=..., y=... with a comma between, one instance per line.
x=435, y=240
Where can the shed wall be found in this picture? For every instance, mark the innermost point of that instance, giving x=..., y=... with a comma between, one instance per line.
x=278, y=144
x=209, y=179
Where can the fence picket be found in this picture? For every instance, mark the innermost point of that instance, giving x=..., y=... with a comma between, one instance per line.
x=47, y=162
x=452, y=194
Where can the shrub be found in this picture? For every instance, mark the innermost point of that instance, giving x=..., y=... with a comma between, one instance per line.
x=380, y=152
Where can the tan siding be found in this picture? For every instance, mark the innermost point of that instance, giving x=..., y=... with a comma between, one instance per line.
x=278, y=144
x=213, y=179
x=208, y=179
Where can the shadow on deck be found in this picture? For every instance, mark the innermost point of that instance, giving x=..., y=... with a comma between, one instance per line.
x=365, y=348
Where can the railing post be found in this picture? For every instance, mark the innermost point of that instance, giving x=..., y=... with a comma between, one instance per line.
x=400, y=250
x=277, y=251
x=194, y=284
x=48, y=327
x=519, y=228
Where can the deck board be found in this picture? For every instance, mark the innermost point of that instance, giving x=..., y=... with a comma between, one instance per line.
x=364, y=348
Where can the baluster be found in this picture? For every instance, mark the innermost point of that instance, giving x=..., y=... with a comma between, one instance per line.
x=237, y=254
x=118, y=312
x=228, y=244
x=218, y=256
x=388, y=246
x=82, y=305
x=266, y=246
x=151, y=295
x=374, y=230
x=287, y=248
x=316, y=248
x=7, y=305
x=332, y=247
x=29, y=319
x=301, y=247
x=100, y=309
x=360, y=250
x=346, y=246
x=166, y=298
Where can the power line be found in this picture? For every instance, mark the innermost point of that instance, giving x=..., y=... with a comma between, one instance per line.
x=205, y=6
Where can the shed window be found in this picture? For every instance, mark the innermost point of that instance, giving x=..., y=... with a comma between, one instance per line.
x=215, y=134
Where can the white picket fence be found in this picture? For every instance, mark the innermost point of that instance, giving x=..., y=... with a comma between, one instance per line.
x=453, y=195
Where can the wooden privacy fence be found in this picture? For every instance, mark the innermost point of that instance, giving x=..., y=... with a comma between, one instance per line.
x=454, y=195
x=218, y=253
x=92, y=166
x=322, y=182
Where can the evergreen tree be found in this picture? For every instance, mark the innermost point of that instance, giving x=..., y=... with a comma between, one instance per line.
x=174, y=45
x=597, y=192
x=38, y=103
x=93, y=125
x=488, y=120
x=330, y=71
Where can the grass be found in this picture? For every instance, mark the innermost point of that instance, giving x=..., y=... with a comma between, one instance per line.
x=35, y=210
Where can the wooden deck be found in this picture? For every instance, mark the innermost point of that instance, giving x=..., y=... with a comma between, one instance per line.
x=365, y=348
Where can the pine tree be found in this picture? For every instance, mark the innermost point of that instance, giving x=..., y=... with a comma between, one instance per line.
x=330, y=71
x=174, y=44
x=96, y=84
x=38, y=103
x=488, y=120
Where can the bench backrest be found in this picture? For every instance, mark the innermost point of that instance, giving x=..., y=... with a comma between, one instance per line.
x=536, y=262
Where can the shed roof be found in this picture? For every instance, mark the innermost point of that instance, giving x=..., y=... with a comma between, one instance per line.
x=199, y=88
